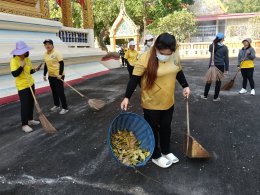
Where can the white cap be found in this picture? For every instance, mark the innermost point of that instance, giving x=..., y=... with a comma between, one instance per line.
x=148, y=37
x=131, y=43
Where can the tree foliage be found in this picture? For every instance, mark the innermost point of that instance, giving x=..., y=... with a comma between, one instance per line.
x=242, y=6
x=182, y=24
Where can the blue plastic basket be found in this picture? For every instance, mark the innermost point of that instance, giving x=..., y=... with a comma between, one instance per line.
x=141, y=129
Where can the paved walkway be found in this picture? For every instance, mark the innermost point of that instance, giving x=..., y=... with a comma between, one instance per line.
x=76, y=159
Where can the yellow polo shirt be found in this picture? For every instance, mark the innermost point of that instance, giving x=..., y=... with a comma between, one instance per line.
x=52, y=61
x=21, y=80
x=131, y=56
x=161, y=95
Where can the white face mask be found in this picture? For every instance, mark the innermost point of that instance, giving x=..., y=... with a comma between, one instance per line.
x=162, y=58
x=149, y=43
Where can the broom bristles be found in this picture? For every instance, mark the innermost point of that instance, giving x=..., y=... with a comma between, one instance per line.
x=46, y=125
x=213, y=74
x=228, y=85
x=96, y=104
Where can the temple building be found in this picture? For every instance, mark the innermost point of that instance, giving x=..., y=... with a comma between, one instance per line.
x=29, y=21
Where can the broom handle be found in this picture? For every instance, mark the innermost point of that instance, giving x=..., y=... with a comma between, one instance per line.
x=236, y=75
x=73, y=88
x=35, y=100
x=187, y=117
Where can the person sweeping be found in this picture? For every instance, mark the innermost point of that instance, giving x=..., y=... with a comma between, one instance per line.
x=246, y=58
x=158, y=69
x=131, y=57
x=54, y=65
x=22, y=70
x=220, y=59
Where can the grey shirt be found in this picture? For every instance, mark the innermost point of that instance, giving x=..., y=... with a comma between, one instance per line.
x=220, y=56
x=243, y=56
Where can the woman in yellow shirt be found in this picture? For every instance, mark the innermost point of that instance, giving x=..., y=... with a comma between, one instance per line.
x=246, y=58
x=54, y=65
x=131, y=57
x=158, y=69
x=21, y=69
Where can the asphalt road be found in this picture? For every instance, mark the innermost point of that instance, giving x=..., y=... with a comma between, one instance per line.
x=76, y=160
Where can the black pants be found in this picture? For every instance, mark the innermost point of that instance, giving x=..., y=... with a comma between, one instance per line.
x=217, y=86
x=123, y=61
x=27, y=105
x=160, y=122
x=58, y=94
x=130, y=69
x=247, y=74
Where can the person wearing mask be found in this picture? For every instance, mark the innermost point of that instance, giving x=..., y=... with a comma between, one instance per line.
x=147, y=43
x=158, y=69
x=54, y=65
x=221, y=61
x=246, y=58
x=131, y=57
x=21, y=69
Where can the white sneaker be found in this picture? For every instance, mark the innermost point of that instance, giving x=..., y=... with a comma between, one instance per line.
x=33, y=122
x=216, y=100
x=27, y=129
x=203, y=97
x=252, y=92
x=54, y=108
x=63, y=111
x=242, y=91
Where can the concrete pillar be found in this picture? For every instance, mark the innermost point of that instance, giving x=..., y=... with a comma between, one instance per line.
x=87, y=11
x=66, y=13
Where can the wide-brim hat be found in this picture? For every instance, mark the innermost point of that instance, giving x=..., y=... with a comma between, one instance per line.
x=21, y=48
x=248, y=40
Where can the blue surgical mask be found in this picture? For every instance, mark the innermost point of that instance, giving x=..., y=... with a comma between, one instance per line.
x=220, y=44
x=162, y=58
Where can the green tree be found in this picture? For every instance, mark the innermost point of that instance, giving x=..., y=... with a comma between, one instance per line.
x=242, y=6
x=182, y=24
x=106, y=11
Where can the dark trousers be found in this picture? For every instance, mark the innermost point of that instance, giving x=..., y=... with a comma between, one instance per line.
x=160, y=122
x=247, y=74
x=58, y=94
x=27, y=104
x=217, y=86
x=123, y=61
x=130, y=69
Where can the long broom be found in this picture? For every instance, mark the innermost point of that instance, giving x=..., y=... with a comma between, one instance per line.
x=213, y=74
x=192, y=148
x=93, y=103
x=230, y=84
x=46, y=125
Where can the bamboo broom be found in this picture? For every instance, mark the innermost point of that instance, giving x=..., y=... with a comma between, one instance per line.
x=93, y=103
x=213, y=74
x=46, y=125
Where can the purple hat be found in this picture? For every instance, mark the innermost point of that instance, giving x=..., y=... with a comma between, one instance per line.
x=21, y=48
